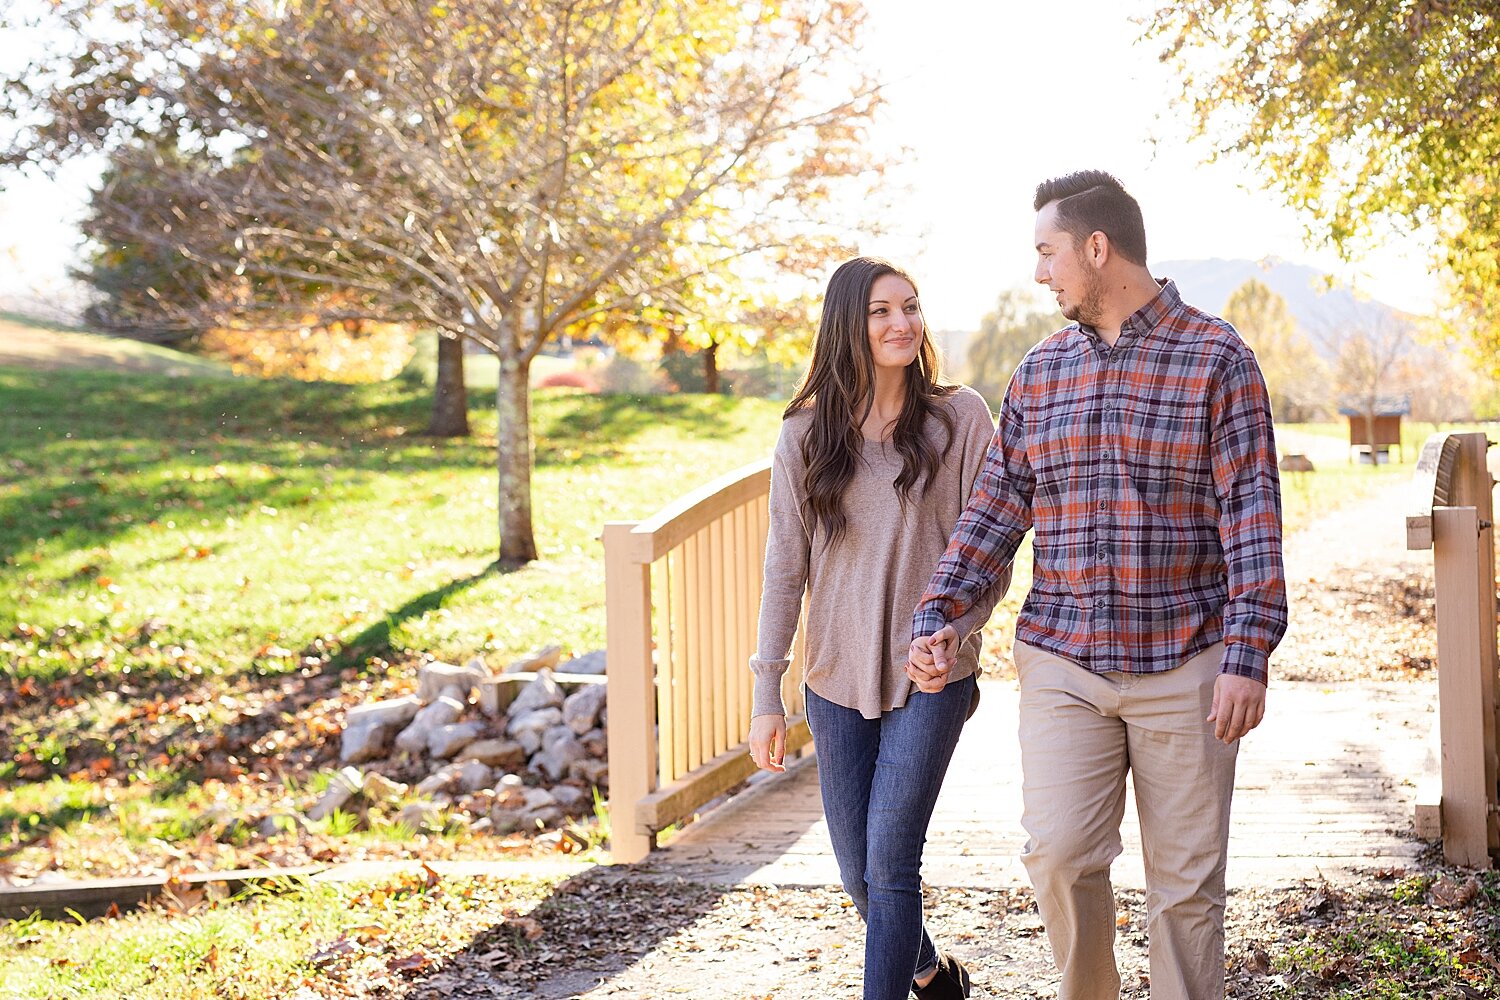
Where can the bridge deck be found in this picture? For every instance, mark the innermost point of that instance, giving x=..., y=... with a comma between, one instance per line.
x=1325, y=785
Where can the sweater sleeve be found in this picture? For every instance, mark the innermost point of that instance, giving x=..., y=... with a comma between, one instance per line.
x=788, y=545
x=977, y=435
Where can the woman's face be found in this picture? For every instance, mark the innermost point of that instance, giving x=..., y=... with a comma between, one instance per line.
x=895, y=319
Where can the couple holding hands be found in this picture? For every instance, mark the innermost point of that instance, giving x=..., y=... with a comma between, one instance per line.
x=1137, y=444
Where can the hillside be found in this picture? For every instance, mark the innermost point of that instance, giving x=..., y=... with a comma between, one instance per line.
x=1315, y=306
x=29, y=343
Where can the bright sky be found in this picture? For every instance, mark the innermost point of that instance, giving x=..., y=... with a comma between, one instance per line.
x=991, y=99
x=994, y=98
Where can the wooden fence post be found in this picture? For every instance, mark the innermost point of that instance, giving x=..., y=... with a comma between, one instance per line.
x=1463, y=709
x=1473, y=487
x=632, y=691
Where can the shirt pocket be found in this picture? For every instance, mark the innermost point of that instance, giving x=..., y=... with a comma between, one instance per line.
x=1164, y=447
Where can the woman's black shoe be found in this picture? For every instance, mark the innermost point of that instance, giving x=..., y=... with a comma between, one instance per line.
x=950, y=983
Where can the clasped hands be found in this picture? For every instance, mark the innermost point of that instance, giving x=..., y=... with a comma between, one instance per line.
x=931, y=659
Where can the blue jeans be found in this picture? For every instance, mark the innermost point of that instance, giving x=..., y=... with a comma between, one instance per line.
x=880, y=780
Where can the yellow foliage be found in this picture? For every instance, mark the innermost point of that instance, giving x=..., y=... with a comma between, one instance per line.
x=345, y=351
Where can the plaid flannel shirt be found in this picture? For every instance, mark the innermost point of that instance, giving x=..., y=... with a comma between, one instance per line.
x=1148, y=470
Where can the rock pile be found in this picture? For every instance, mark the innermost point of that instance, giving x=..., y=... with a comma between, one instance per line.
x=518, y=750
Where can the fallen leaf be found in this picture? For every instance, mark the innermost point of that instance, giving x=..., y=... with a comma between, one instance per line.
x=1341, y=968
x=414, y=962
x=1451, y=894
x=368, y=931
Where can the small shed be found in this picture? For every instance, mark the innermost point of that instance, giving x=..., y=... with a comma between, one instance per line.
x=1387, y=428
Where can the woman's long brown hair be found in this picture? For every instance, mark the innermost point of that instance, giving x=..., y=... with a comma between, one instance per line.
x=839, y=388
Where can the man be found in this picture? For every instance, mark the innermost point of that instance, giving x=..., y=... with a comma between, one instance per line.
x=1137, y=443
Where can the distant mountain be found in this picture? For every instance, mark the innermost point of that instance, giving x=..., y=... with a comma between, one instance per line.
x=1317, y=307
x=1208, y=284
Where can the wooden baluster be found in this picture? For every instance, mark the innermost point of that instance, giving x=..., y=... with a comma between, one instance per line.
x=737, y=664
x=720, y=571
x=694, y=600
x=1465, y=809
x=681, y=654
x=665, y=724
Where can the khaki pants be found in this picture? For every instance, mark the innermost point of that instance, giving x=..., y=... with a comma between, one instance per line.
x=1080, y=733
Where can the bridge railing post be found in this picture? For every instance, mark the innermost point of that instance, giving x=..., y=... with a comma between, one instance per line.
x=1456, y=521
x=632, y=692
x=1462, y=706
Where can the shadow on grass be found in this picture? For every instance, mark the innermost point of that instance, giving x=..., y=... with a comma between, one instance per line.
x=92, y=455
x=376, y=640
x=24, y=827
x=574, y=428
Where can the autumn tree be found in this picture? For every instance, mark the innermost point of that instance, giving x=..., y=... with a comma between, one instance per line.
x=1005, y=334
x=1296, y=377
x=1442, y=386
x=1371, y=117
x=500, y=170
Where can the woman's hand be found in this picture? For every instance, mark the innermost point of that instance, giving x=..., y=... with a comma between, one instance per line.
x=931, y=659
x=768, y=742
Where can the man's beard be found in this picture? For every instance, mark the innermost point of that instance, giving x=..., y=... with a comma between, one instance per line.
x=1090, y=307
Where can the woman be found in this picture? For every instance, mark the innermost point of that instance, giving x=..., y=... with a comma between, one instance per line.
x=874, y=465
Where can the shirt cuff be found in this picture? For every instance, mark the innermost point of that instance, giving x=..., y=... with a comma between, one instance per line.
x=766, y=699
x=926, y=622
x=1244, y=660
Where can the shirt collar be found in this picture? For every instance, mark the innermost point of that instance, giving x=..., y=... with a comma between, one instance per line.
x=1145, y=319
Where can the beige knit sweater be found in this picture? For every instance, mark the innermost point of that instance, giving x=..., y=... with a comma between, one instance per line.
x=861, y=592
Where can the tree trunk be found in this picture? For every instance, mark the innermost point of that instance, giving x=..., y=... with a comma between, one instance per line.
x=513, y=459
x=450, y=394
x=1370, y=437
x=711, y=368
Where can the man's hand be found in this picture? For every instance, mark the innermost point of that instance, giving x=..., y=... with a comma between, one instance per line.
x=768, y=742
x=931, y=659
x=1239, y=706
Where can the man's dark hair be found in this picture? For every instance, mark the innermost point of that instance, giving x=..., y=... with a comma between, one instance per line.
x=1092, y=201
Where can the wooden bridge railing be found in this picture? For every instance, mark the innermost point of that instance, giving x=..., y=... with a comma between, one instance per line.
x=682, y=593
x=1455, y=519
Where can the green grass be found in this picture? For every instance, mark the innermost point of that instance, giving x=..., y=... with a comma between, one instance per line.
x=207, y=527
x=32, y=343
x=1396, y=943
x=167, y=530
x=304, y=939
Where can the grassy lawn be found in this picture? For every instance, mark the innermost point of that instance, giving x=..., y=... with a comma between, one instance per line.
x=197, y=575
x=28, y=343
x=1395, y=935
x=302, y=939
x=206, y=527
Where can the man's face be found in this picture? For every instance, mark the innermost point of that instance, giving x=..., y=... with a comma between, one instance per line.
x=1062, y=266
